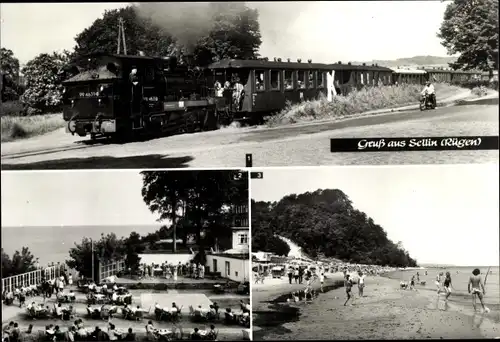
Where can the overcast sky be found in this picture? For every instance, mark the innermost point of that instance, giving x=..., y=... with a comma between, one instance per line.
x=73, y=198
x=323, y=31
x=442, y=214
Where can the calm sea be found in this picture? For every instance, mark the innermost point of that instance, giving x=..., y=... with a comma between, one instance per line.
x=52, y=244
x=460, y=279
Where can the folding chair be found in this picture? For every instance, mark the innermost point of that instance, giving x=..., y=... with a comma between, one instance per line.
x=138, y=315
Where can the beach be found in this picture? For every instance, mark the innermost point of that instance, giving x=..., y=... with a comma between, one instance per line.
x=386, y=312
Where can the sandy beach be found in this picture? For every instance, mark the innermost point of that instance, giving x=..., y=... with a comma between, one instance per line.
x=384, y=313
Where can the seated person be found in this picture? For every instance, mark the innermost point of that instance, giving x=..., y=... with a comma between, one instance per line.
x=71, y=334
x=58, y=334
x=130, y=336
x=229, y=316
x=115, y=287
x=72, y=296
x=212, y=334
x=49, y=332
x=114, y=297
x=195, y=335
x=9, y=298
x=244, y=307
x=216, y=308
x=59, y=311
x=174, y=307
x=212, y=313
x=127, y=312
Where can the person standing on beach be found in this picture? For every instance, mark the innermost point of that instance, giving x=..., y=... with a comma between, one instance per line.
x=321, y=281
x=475, y=285
x=348, y=288
x=438, y=282
x=290, y=275
x=361, y=283
x=447, y=285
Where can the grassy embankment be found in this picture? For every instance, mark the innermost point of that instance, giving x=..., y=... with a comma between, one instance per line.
x=16, y=126
x=357, y=102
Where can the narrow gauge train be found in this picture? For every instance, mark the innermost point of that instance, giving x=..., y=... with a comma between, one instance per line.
x=117, y=95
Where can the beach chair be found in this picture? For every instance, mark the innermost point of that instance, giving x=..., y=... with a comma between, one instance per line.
x=105, y=314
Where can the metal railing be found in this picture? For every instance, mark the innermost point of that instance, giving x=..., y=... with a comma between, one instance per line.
x=32, y=278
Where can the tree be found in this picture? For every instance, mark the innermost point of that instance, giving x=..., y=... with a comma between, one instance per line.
x=235, y=34
x=109, y=247
x=21, y=262
x=140, y=33
x=133, y=247
x=324, y=222
x=43, y=82
x=9, y=72
x=470, y=28
x=163, y=29
x=199, y=199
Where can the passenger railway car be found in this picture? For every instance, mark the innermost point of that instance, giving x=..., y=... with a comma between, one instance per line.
x=111, y=95
x=267, y=86
x=409, y=76
x=348, y=77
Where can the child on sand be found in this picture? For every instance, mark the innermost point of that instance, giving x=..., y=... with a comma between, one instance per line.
x=447, y=285
x=348, y=287
x=474, y=287
x=412, y=283
x=361, y=283
x=438, y=282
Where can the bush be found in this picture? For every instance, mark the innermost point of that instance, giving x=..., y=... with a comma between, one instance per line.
x=472, y=84
x=16, y=127
x=12, y=108
x=357, y=101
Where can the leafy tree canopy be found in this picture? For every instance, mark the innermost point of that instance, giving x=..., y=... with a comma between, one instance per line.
x=108, y=247
x=196, y=202
x=9, y=73
x=21, y=262
x=43, y=82
x=223, y=30
x=470, y=28
x=324, y=223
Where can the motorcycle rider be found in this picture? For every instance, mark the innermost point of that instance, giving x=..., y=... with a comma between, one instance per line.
x=429, y=90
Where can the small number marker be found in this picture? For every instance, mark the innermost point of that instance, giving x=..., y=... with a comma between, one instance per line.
x=248, y=159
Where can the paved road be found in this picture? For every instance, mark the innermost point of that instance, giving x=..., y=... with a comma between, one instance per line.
x=297, y=145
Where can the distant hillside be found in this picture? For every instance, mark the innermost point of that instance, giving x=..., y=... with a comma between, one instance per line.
x=324, y=223
x=417, y=61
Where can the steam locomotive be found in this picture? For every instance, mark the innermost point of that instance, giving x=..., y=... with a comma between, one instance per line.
x=120, y=95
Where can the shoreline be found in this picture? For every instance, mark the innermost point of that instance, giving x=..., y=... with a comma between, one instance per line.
x=385, y=312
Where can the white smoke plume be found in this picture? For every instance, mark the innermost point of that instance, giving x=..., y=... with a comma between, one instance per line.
x=187, y=22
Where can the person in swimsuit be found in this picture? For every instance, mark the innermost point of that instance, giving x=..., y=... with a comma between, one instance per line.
x=438, y=282
x=447, y=285
x=475, y=285
x=412, y=283
x=348, y=288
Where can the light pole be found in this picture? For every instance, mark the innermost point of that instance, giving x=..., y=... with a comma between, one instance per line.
x=92, y=249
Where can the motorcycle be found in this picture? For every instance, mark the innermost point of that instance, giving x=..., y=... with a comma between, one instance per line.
x=426, y=102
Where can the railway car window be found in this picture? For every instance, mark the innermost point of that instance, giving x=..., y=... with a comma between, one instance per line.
x=361, y=78
x=288, y=79
x=275, y=80
x=301, y=79
x=310, y=83
x=346, y=76
x=320, y=79
x=259, y=80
